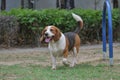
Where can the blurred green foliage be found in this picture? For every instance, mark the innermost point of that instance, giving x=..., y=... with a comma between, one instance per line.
x=31, y=22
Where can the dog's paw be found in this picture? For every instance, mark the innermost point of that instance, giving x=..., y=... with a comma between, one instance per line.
x=72, y=65
x=66, y=64
x=53, y=68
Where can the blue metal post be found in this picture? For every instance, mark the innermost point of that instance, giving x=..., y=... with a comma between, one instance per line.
x=104, y=31
x=110, y=36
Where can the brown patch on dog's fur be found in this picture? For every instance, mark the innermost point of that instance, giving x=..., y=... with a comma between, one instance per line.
x=57, y=33
x=77, y=45
x=81, y=24
x=65, y=52
x=42, y=34
x=77, y=42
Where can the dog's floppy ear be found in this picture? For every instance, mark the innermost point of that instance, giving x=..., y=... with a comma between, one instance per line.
x=42, y=36
x=57, y=34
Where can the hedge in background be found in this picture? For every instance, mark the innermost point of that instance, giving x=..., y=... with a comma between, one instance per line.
x=31, y=22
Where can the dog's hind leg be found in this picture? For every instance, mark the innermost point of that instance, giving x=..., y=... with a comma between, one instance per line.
x=65, y=61
x=74, y=55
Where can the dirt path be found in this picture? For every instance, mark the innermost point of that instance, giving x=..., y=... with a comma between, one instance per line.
x=40, y=56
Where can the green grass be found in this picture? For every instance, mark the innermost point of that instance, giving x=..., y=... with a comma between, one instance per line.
x=80, y=72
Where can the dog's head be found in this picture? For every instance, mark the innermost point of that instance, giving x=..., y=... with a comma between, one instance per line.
x=50, y=33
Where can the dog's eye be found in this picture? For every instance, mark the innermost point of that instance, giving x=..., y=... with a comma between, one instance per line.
x=51, y=29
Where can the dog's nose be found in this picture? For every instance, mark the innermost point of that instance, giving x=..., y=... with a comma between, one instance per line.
x=46, y=34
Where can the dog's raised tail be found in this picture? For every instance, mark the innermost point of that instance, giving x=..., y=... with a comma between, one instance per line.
x=80, y=22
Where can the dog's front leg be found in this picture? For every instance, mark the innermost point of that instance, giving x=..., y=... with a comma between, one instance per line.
x=53, y=62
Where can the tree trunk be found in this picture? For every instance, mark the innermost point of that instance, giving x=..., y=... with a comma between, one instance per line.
x=72, y=4
x=119, y=18
x=65, y=4
x=69, y=4
x=30, y=4
x=115, y=3
x=57, y=4
x=119, y=3
x=3, y=5
x=22, y=4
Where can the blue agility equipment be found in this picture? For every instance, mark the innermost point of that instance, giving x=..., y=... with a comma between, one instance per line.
x=107, y=9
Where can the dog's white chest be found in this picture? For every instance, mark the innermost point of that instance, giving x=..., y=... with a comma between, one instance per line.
x=57, y=48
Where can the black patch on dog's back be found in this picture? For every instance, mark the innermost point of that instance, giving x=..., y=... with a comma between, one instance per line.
x=71, y=38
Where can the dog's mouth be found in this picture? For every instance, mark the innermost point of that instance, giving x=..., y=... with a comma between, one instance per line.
x=48, y=39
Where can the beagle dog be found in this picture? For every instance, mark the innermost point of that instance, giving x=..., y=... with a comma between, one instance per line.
x=60, y=44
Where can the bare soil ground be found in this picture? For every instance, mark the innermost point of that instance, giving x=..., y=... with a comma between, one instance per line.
x=40, y=56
